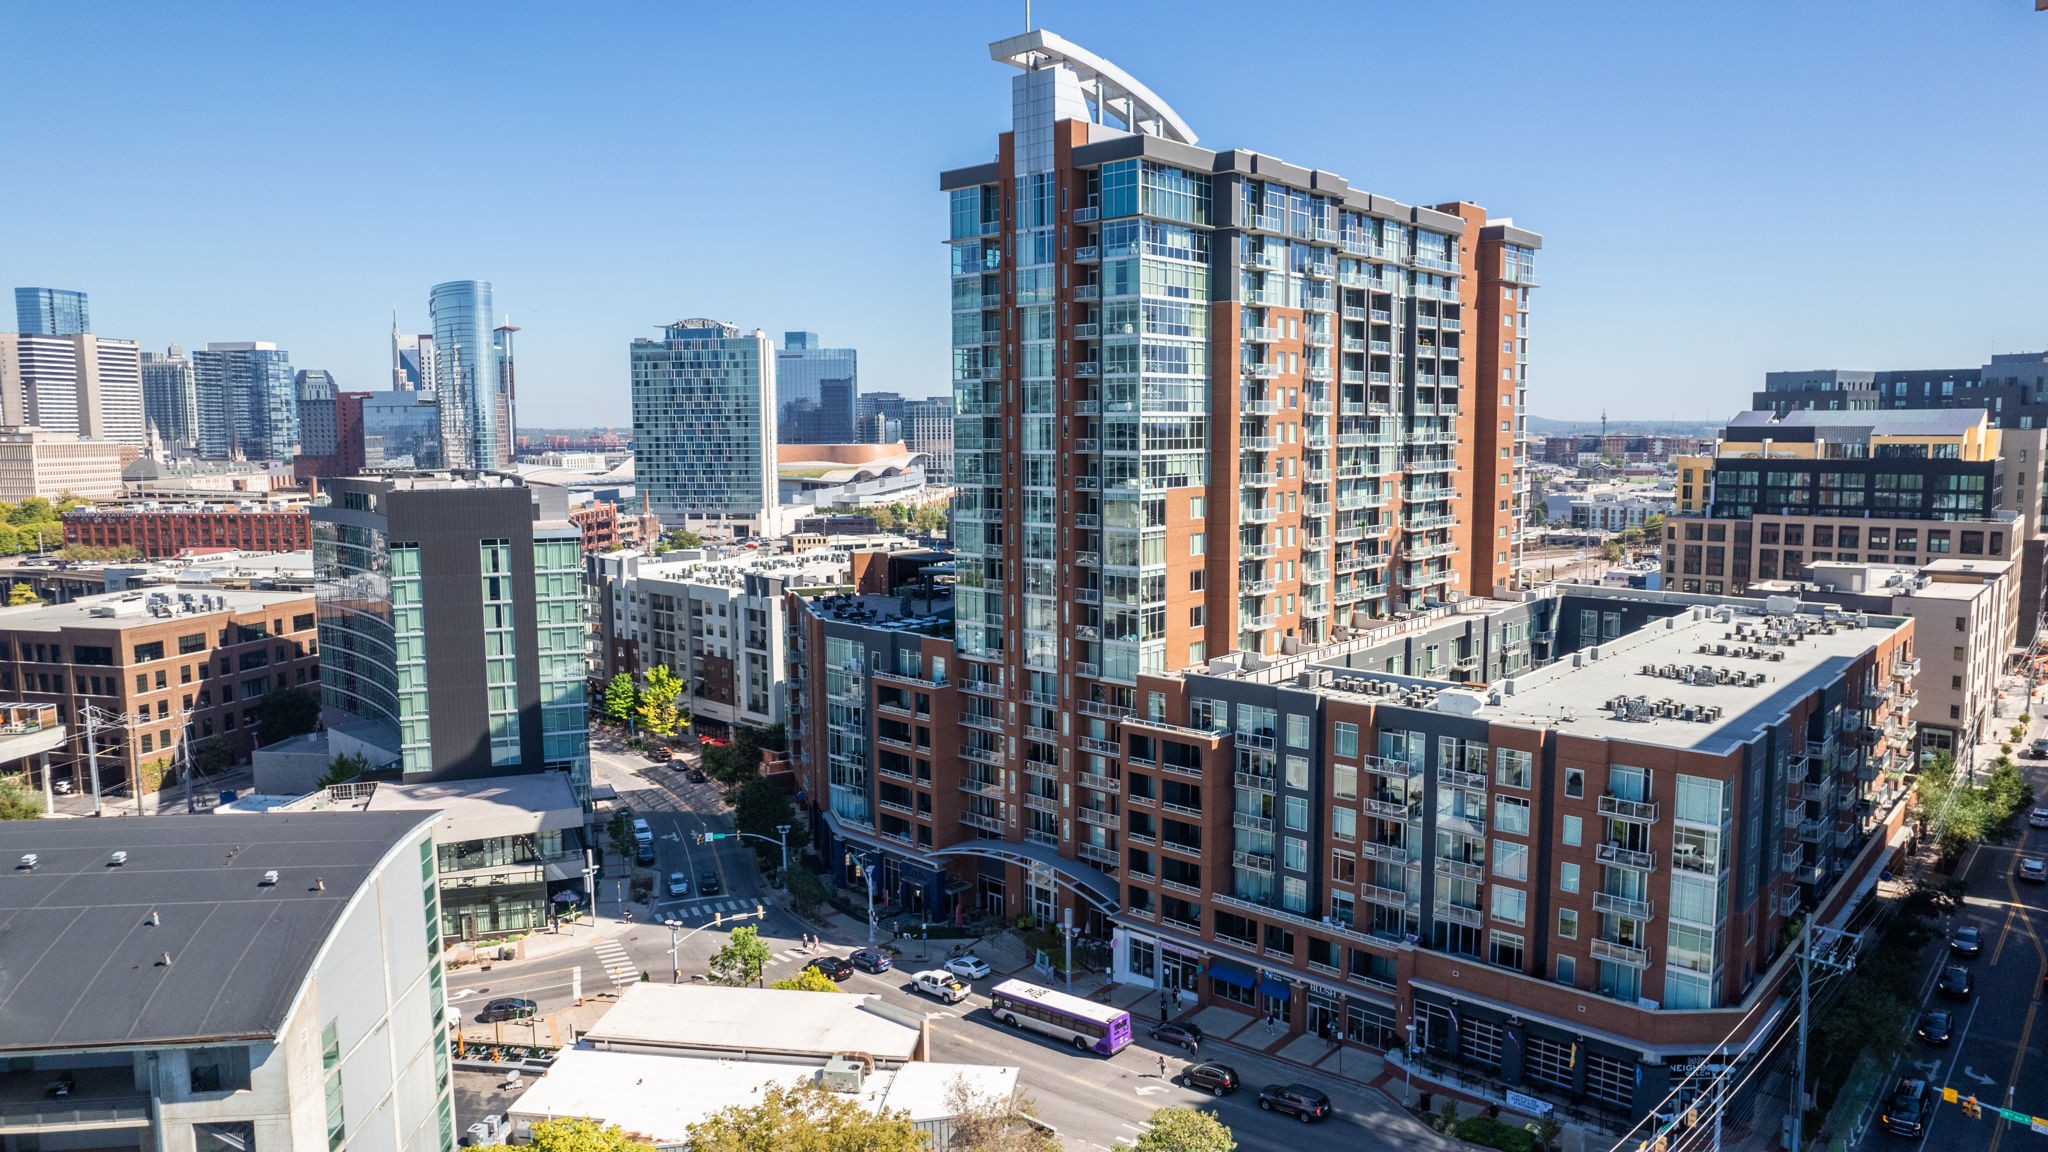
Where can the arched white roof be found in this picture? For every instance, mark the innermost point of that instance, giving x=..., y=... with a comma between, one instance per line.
x=1038, y=48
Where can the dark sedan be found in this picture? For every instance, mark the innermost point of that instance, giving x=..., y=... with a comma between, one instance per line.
x=837, y=967
x=1936, y=1029
x=1211, y=1077
x=1954, y=982
x=507, y=1008
x=871, y=960
x=1177, y=1034
x=1966, y=942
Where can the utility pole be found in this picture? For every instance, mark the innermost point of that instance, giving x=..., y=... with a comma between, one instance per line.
x=1834, y=962
x=590, y=884
x=91, y=715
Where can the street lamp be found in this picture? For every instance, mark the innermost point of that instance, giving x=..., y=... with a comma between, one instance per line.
x=867, y=875
x=1408, y=1065
x=676, y=935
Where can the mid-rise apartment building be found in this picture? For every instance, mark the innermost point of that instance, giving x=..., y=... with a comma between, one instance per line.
x=451, y=614
x=86, y=385
x=1859, y=486
x=158, y=531
x=2011, y=387
x=34, y=462
x=159, y=667
x=225, y=982
x=704, y=426
x=248, y=401
x=1560, y=836
x=928, y=429
x=170, y=396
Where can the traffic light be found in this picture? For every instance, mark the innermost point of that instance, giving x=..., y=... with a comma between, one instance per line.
x=1972, y=1109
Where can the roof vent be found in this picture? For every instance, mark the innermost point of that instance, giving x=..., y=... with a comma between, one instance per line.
x=154, y=919
x=117, y=859
x=28, y=860
x=270, y=877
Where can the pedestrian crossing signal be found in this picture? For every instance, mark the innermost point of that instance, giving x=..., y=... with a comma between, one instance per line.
x=1972, y=1109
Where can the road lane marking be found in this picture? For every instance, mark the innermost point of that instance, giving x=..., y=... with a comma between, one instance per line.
x=2019, y=1055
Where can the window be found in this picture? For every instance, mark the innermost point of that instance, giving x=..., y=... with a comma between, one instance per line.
x=1346, y=742
x=1511, y=815
x=1510, y=860
x=1568, y=923
x=1297, y=771
x=1568, y=877
x=1510, y=905
x=1297, y=731
x=1574, y=830
x=154, y=650
x=1297, y=813
x=1575, y=782
x=1197, y=543
x=1344, y=781
x=1513, y=769
x=218, y=1069
x=1567, y=970
x=1344, y=823
x=196, y=642
x=1505, y=949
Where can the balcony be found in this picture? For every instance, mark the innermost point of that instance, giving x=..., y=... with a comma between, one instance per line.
x=1039, y=803
x=1623, y=906
x=1389, y=853
x=1639, y=811
x=1086, y=331
x=1100, y=817
x=981, y=787
x=29, y=1118
x=1193, y=850
x=1619, y=953
x=1904, y=670
x=1251, y=823
x=1087, y=291
x=1460, y=914
x=1385, y=897
x=1087, y=213
x=1461, y=778
x=1255, y=861
x=1098, y=781
x=1097, y=854
x=1460, y=869
x=985, y=723
x=1100, y=746
x=1087, y=369
x=1253, y=781
x=1088, y=254
x=1621, y=857
x=982, y=756
x=977, y=820
x=1403, y=810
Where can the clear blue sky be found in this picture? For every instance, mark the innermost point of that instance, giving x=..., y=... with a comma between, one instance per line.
x=1723, y=188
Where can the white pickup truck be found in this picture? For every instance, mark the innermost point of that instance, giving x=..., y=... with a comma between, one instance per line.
x=940, y=983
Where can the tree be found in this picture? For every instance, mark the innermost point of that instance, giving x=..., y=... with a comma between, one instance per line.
x=19, y=593
x=577, y=1136
x=736, y=762
x=983, y=1123
x=740, y=962
x=805, y=1118
x=658, y=711
x=213, y=754
x=806, y=891
x=760, y=808
x=286, y=712
x=344, y=768
x=1186, y=1130
x=17, y=802
x=620, y=697
x=807, y=980
x=34, y=510
x=929, y=519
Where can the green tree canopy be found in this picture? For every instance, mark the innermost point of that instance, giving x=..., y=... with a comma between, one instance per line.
x=20, y=593
x=286, y=712
x=659, y=712
x=17, y=800
x=620, y=697
x=1186, y=1130
x=344, y=768
x=984, y=1124
x=760, y=808
x=578, y=1136
x=741, y=961
x=807, y=980
x=805, y=1118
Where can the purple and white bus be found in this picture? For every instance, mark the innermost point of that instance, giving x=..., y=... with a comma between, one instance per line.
x=1088, y=1026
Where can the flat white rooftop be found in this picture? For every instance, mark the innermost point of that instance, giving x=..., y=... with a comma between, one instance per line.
x=657, y=1097
x=756, y=1023
x=490, y=806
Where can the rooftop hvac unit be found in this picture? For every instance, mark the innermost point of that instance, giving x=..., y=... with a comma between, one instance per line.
x=842, y=1075
x=270, y=878
x=28, y=860
x=118, y=858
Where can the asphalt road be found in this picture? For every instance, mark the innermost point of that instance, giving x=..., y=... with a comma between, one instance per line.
x=1997, y=1053
x=1096, y=1104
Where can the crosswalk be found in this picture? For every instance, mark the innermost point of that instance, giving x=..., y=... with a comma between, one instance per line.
x=617, y=964
x=704, y=910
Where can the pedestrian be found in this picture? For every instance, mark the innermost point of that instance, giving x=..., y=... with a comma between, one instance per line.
x=1162, y=1067
x=1194, y=1043
x=1162, y=1011
x=629, y=915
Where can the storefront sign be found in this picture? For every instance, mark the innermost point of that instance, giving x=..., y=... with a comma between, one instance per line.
x=1528, y=1105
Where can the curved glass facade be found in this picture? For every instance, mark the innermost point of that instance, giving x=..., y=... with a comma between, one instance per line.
x=466, y=364
x=360, y=671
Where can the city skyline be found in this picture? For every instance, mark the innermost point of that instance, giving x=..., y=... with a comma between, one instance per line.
x=1577, y=139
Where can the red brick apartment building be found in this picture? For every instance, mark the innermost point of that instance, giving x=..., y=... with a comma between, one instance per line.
x=161, y=531
x=149, y=658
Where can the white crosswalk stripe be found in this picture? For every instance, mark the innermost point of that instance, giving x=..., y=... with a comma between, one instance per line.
x=617, y=964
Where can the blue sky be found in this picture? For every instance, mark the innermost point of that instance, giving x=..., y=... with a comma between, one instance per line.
x=1723, y=188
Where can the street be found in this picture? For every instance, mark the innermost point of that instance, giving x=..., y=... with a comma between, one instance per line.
x=1095, y=1104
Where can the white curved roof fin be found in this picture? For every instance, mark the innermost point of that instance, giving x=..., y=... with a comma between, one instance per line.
x=1140, y=108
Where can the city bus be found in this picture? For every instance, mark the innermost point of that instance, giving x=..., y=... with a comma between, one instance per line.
x=1088, y=1026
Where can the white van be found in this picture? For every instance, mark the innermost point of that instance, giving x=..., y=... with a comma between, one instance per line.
x=642, y=834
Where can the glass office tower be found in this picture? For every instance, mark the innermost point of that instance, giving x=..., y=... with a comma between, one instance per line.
x=475, y=412
x=816, y=391
x=51, y=312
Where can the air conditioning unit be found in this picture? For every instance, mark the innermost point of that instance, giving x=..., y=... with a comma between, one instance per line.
x=842, y=1075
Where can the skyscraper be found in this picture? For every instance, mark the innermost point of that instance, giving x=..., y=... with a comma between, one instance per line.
x=815, y=391
x=51, y=312
x=170, y=396
x=475, y=409
x=412, y=360
x=703, y=434
x=928, y=428
x=87, y=385
x=317, y=427
x=408, y=568
x=401, y=430
x=248, y=404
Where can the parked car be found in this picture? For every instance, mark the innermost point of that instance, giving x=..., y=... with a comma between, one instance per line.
x=969, y=967
x=707, y=883
x=837, y=967
x=2035, y=869
x=1177, y=1034
x=871, y=960
x=696, y=776
x=1954, y=982
x=2038, y=749
x=678, y=884
x=1966, y=941
x=941, y=984
x=1304, y=1102
x=2038, y=818
x=643, y=854
x=507, y=1008
x=1905, y=1114
x=1936, y=1028
x=1211, y=1077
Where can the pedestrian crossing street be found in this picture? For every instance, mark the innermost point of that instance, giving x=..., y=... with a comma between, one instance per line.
x=617, y=965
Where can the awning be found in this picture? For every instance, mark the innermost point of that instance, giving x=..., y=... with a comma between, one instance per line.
x=1230, y=974
x=1277, y=989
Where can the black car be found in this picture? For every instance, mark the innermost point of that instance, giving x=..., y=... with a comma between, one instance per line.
x=708, y=885
x=871, y=960
x=695, y=776
x=1954, y=982
x=1905, y=1114
x=507, y=1008
x=1966, y=942
x=1179, y=1035
x=643, y=854
x=1935, y=1029
x=837, y=967
x=1303, y=1101
x=1211, y=1077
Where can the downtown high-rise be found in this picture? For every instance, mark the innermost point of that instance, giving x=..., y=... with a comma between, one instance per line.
x=247, y=401
x=51, y=312
x=472, y=375
x=704, y=425
x=170, y=396
x=817, y=391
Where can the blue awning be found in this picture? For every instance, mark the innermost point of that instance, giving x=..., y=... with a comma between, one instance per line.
x=1275, y=988
x=1230, y=974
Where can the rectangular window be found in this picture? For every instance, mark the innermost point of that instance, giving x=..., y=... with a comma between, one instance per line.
x=1345, y=742
x=1511, y=815
x=1568, y=923
x=1510, y=860
x=1510, y=905
x=1513, y=769
x=1344, y=823
x=1297, y=731
x=1568, y=877
x=1297, y=813
x=1574, y=830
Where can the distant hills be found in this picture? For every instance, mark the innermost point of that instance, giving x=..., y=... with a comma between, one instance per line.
x=1546, y=426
